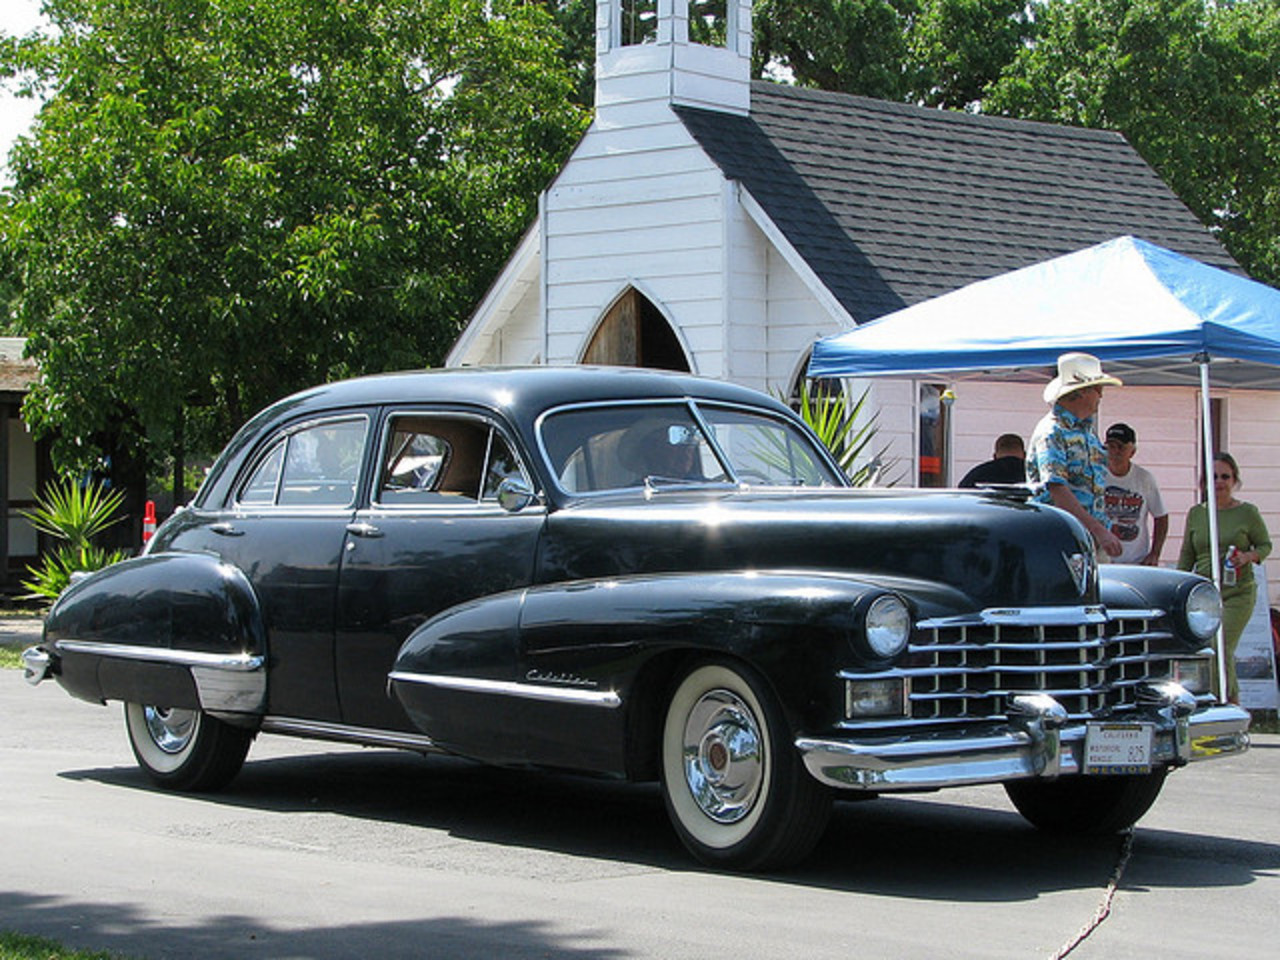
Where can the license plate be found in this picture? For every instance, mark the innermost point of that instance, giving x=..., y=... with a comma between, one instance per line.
x=1118, y=748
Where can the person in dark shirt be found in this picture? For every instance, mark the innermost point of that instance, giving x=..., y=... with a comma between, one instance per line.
x=1007, y=465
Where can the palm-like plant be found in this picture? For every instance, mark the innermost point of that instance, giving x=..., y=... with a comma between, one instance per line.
x=843, y=430
x=75, y=514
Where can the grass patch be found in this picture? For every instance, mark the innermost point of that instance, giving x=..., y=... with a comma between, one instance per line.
x=12, y=611
x=19, y=946
x=11, y=648
x=1264, y=721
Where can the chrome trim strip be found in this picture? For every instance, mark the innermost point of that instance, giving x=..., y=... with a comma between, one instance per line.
x=341, y=733
x=1154, y=613
x=1020, y=617
x=238, y=662
x=505, y=688
x=1002, y=751
x=1038, y=617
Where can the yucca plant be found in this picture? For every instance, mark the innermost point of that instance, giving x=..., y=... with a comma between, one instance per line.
x=843, y=430
x=73, y=513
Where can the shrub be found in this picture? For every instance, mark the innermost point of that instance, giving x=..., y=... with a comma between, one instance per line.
x=73, y=513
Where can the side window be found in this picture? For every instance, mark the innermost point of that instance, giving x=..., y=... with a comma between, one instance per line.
x=416, y=461
x=442, y=460
x=315, y=466
x=261, y=488
x=502, y=464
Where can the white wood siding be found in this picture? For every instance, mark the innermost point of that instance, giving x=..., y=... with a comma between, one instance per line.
x=645, y=211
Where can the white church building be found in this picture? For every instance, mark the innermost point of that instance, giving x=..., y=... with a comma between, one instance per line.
x=710, y=223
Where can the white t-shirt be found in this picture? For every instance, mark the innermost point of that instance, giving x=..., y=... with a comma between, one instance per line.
x=1129, y=501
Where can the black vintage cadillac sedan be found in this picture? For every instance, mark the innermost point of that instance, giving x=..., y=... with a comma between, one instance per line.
x=648, y=576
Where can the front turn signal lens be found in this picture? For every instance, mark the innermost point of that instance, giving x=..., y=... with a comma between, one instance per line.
x=864, y=699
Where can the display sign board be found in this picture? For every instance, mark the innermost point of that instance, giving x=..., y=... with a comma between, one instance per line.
x=1255, y=654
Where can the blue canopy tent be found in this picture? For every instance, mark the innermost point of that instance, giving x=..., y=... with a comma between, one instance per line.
x=1146, y=309
x=1154, y=316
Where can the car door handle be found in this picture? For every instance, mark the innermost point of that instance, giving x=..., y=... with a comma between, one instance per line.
x=226, y=530
x=363, y=530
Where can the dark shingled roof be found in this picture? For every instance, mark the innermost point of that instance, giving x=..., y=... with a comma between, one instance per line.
x=891, y=204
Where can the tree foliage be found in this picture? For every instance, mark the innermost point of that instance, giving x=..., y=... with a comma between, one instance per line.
x=225, y=200
x=1193, y=85
x=936, y=52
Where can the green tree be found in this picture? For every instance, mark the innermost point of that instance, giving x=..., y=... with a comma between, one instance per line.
x=936, y=52
x=225, y=200
x=1192, y=84
x=959, y=47
x=851, y=46
x=577, y=22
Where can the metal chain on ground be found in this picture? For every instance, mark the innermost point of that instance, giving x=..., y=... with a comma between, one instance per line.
x=1104, y=905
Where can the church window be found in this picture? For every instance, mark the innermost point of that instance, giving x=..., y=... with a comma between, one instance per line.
x=709, y=22
x=639, y=22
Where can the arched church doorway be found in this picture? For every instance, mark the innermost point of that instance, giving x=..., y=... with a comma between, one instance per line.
x=634, y=333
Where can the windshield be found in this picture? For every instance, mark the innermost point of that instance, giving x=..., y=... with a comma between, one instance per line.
x=598, y=448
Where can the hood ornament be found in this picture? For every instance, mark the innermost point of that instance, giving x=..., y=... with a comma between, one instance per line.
x=1078, y=565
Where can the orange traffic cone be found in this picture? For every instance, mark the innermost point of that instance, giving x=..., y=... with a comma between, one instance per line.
x=149, y=522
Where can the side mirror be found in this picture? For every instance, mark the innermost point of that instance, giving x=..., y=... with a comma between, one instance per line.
x=514, y=495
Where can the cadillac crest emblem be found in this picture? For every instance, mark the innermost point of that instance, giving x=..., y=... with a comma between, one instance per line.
x=1078, y=564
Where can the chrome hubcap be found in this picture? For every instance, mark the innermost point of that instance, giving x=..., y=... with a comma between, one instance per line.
x=171, y=728
x=723, y=756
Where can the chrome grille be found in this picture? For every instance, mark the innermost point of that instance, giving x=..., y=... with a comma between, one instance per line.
x=971, y=671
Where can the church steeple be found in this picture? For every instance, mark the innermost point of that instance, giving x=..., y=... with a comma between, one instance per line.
x=650, y=52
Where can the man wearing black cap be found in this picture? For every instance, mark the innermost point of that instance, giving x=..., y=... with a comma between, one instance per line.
x=1131, y=496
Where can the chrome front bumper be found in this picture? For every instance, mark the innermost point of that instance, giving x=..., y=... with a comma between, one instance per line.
x=1038, y=740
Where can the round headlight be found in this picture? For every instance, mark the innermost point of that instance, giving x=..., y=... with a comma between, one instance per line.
x=1202, y=610
x=887, y=626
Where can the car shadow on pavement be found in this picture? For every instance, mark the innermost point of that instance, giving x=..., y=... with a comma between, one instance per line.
x=124, y=930
x=923, y=847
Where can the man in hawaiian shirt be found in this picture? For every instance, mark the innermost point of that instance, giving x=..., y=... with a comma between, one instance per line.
x=1066, y=462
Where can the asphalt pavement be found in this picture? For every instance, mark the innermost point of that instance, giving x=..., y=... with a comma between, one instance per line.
x=321, y=852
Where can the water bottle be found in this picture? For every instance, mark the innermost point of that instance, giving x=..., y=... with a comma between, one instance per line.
x=1229, y=567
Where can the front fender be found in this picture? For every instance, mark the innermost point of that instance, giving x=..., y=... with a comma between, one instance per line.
x=570, y=654
x=177, y=629
x=1125, y=587
x=797, y=628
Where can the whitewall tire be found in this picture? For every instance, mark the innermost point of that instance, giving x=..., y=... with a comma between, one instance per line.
x=185, y=749
x=734, y=785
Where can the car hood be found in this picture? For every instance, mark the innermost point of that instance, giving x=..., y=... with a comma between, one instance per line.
x=988, y=551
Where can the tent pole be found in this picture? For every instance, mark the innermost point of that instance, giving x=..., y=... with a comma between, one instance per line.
x=1211, y=510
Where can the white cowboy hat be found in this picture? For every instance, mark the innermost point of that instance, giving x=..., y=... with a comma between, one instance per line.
x=1075, y=372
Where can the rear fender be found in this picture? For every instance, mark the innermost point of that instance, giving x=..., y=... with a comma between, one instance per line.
x=176, y=629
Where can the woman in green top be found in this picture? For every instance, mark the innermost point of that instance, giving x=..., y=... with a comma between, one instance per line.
x=1240, y=525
